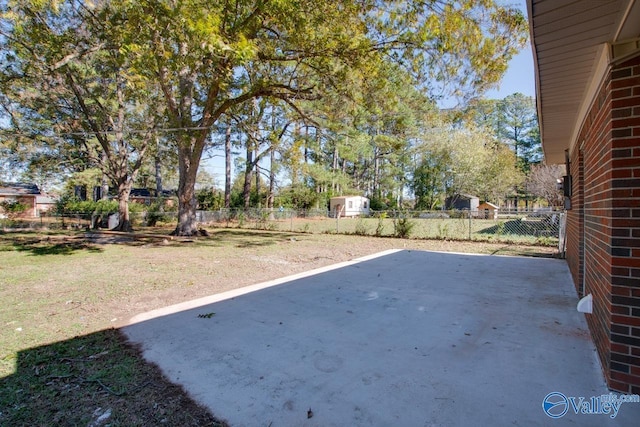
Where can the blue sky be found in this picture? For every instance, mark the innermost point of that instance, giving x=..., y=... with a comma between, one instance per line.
x=518, y=78
x=520, y=75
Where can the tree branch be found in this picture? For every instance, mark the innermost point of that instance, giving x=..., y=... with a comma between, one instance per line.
x=87, y=113
x=75, y=55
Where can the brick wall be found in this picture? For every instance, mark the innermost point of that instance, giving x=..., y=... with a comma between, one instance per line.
x=625, y=227
x=595, y=151
x=603, y=228
x=575, y=221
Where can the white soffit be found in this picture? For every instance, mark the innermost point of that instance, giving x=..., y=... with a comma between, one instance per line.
x=570, y=41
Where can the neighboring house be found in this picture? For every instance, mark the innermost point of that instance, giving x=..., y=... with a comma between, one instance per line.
x=23, y=193
x=587, y=57
x=147, y=197
x=349, y=206
x=44, y=203
x=141, y=195
x=488, y=210
x=461, y=202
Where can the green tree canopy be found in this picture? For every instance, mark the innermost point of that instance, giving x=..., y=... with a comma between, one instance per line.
x=452, y=161
x=196, y=59
x=514, y=120
x=209, y=56
x=70, y=93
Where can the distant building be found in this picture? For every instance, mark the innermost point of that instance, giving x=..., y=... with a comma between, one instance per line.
x=24, y=193
x=349, y=206
x=44, y=203
x=462, y=202
x=146, y=197
x=141, y=195
x=488, y=210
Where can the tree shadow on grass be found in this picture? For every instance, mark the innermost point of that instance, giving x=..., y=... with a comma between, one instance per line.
x=77, y=381
x=59, y=248
x=249, y=238
x=56, y=244
x=240, y=238
x=46, y=245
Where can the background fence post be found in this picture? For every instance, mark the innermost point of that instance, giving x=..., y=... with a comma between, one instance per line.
x=469, y=225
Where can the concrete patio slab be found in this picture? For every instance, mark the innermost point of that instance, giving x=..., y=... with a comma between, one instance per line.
x=407, y=338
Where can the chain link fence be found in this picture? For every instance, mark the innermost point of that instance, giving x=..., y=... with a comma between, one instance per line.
x=543, y=227
x=74, y=221
x=532, y=227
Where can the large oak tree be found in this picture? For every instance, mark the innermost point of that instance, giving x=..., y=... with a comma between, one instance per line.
x=207, y=57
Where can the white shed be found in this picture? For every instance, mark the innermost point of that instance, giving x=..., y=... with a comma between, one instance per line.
x=344, y=206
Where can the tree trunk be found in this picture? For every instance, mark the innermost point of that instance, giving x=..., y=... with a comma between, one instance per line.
x=158, y=168
x=376, y=172
x=272, y=180
x=188, y=162
x=124, y=218
x=344, y=161
x=104, y=193
x=334, y=168
x=258, y=183
x=227, y=168
x=246, y=189
x=105, y=180
x=306, y=145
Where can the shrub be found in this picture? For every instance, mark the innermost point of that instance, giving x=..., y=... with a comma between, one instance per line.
x=305, y=228
x=378, y=204
x=402, y=226
x=156, y=213
x=272, y=226
x=105, y=207
x=443, y=231
x=210, y=199
x=380, y=227
x=13, y=208
x=67, y=205
x=361, y=229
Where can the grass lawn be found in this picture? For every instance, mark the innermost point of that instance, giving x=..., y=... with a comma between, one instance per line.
x=63, y=360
